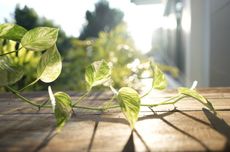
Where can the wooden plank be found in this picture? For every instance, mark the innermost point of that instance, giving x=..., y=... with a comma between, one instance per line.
x=164, y=131
x=12, y=106
x=208, y=92
x=188, y=128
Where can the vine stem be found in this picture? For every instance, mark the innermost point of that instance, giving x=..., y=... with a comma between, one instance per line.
x=32, y=83
x=49, y=106
x=147, y=93
x=171, y=100
x=80, y=99
x=96, y=108
x=39, y=106
x=11, y=52
x=165, y=102
x=22, y=98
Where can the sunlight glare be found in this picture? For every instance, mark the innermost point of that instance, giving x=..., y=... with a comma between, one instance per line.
x=142, y=20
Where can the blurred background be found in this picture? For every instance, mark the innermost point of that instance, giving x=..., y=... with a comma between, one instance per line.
x=188, y=39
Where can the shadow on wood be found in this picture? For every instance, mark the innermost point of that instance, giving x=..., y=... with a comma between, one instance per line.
x=185, y=133
x=93, y=136
x=219, y=125
x=129, y=146
x=46, y=141
x=180, y=130
x=192, y=117
x=142, y=140
x=86, y=117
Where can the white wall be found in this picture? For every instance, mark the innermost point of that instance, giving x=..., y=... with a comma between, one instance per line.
x=205, y=40
x=220, y=43
x=195, y=26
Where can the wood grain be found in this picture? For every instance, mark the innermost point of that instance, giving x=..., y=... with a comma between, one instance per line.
x=188, y=127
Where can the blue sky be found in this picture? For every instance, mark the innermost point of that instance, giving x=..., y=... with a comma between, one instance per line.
x=70, y=15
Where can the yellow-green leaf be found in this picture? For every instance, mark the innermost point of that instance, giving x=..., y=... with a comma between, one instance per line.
x=63, y=109
x=160, y=81
x=50, y=65
x=61, y=103
x=97, y=73
x=40, y=38
x=129, y=102
x=10, y=73
x=194, y=94
x=12, y=32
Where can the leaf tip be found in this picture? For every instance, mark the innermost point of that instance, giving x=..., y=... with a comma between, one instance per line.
x=194, y=85
x=52, y=98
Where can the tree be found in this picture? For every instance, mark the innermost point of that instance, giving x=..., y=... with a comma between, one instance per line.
x=103, y=18
x=26, y=17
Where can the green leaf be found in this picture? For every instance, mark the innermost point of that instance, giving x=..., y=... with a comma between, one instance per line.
x=40, y=38
x=63, y=109
x=12, y=31
x=10, y=73
x=129, y=102
x=50, y=65
x=160, y=81
x=61, y=103
x=194, y=94
x=97, y=73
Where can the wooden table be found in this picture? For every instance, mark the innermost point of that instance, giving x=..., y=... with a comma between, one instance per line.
x=188, y=127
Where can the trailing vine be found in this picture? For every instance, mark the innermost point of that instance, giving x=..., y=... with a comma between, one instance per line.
x=43, y=39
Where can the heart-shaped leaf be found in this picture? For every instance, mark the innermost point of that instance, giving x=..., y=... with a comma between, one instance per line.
x=10, y=73
x=50, y=65
x=40, y=38
x=160, y=81
x=194, y=94
x=129, y=102
x=61, y=103
x=97, y=73
x=12, y=31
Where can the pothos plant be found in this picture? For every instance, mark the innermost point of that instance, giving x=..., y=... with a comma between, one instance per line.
x=98, y=73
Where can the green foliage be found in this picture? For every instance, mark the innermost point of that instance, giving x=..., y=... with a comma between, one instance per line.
x=129, y=102
x=97, y=73
x=28, y=60
x=40, y=38
x=29, y=19
x=10, y=73
x=160, y=81
x=62, y=107
x=12, y=31
x=115, y=46
x=197, y=96
x=50, y=65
